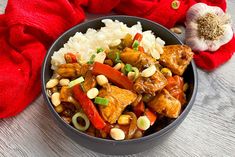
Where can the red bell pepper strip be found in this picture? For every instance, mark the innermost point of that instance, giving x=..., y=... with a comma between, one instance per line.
x=70, y=58
x=138, y=37
x=151, y=116
x=175, y=88
x=88, y=107
x=139, y=109
x=113, y=75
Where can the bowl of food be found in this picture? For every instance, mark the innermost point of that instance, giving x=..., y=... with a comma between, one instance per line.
x=119, y=84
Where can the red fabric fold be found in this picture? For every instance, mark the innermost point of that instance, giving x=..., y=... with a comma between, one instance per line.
x=28, y=28
x=211, y=60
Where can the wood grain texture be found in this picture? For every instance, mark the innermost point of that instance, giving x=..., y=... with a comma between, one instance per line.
x=208, y=130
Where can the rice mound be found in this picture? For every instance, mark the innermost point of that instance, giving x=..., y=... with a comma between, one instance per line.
x=109, y=35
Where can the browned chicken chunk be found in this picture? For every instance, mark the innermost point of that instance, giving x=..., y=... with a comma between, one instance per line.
x=165, y=104
x=136, y=58
x=65, y=93
x=72, y=70
x=151, y=84
x=118, y=100
x=176, y=58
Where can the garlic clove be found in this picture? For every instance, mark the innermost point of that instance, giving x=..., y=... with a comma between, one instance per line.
x=216, y=10
x=228, y=34
x=191, y=30
x=196, y=11
x=213, y=45
x=196, y=44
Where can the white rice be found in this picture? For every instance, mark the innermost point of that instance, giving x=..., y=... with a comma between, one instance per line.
x=110, y=35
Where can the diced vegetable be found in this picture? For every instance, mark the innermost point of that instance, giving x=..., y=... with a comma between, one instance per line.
x=133, y=125
x=98, y=50
x=124, y=119
x=114, y=56
x=117, y=134
x=113, y=75
x=91, y=61
x=88, y=107
x=100, y=57
x=92, y=93
x=138, y=37
x=141, y=49
x=151, y=116
x=166, y=72
x=79, y=126
x=59, y=108
x=101, y=101
x=143, y=123
x=117, y=58
x=131, y=75
x=137, y=73
x=139, y=109
x=118, y=66
x=70, y=58
x=76, y=81
x=135, y=45
x=128, y=68
x=175, y=87
x=127, y=40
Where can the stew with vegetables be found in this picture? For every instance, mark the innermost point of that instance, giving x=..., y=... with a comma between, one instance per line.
x=125, y=94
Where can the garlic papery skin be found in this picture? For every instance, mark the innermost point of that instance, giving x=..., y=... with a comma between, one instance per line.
x=207, y=28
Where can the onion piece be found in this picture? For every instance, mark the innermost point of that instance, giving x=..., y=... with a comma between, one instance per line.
x=79, y=126
x=133, y=125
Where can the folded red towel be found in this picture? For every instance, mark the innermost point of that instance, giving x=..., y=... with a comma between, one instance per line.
x=29, y=27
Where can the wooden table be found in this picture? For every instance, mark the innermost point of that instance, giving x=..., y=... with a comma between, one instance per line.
x=208, y=130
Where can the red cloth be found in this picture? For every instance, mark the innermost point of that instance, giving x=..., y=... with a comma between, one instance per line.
x=209, y=61
x=28, y=28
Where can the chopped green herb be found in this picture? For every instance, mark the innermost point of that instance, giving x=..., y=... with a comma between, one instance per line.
x=76, y=81
x=101, y=101
x=98, y=50
x=137, y=73
x=91, y=61
x=79, y=126
x=135, y=44
x=128, y=68
x=117, y=58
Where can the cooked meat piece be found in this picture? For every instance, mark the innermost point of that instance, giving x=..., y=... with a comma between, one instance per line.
x=90, y=81
x=136, y=58
x=65, y=92
x=176, y=58
x=151, y=84
x=72, y=70
x=165, y=104
x=118, y=100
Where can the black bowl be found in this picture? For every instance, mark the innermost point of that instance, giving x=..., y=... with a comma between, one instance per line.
x=132, y=146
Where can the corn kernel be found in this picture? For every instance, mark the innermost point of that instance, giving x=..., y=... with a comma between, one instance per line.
x=124, y=119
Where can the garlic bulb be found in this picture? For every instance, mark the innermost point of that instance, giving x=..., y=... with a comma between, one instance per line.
x=207, y=27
